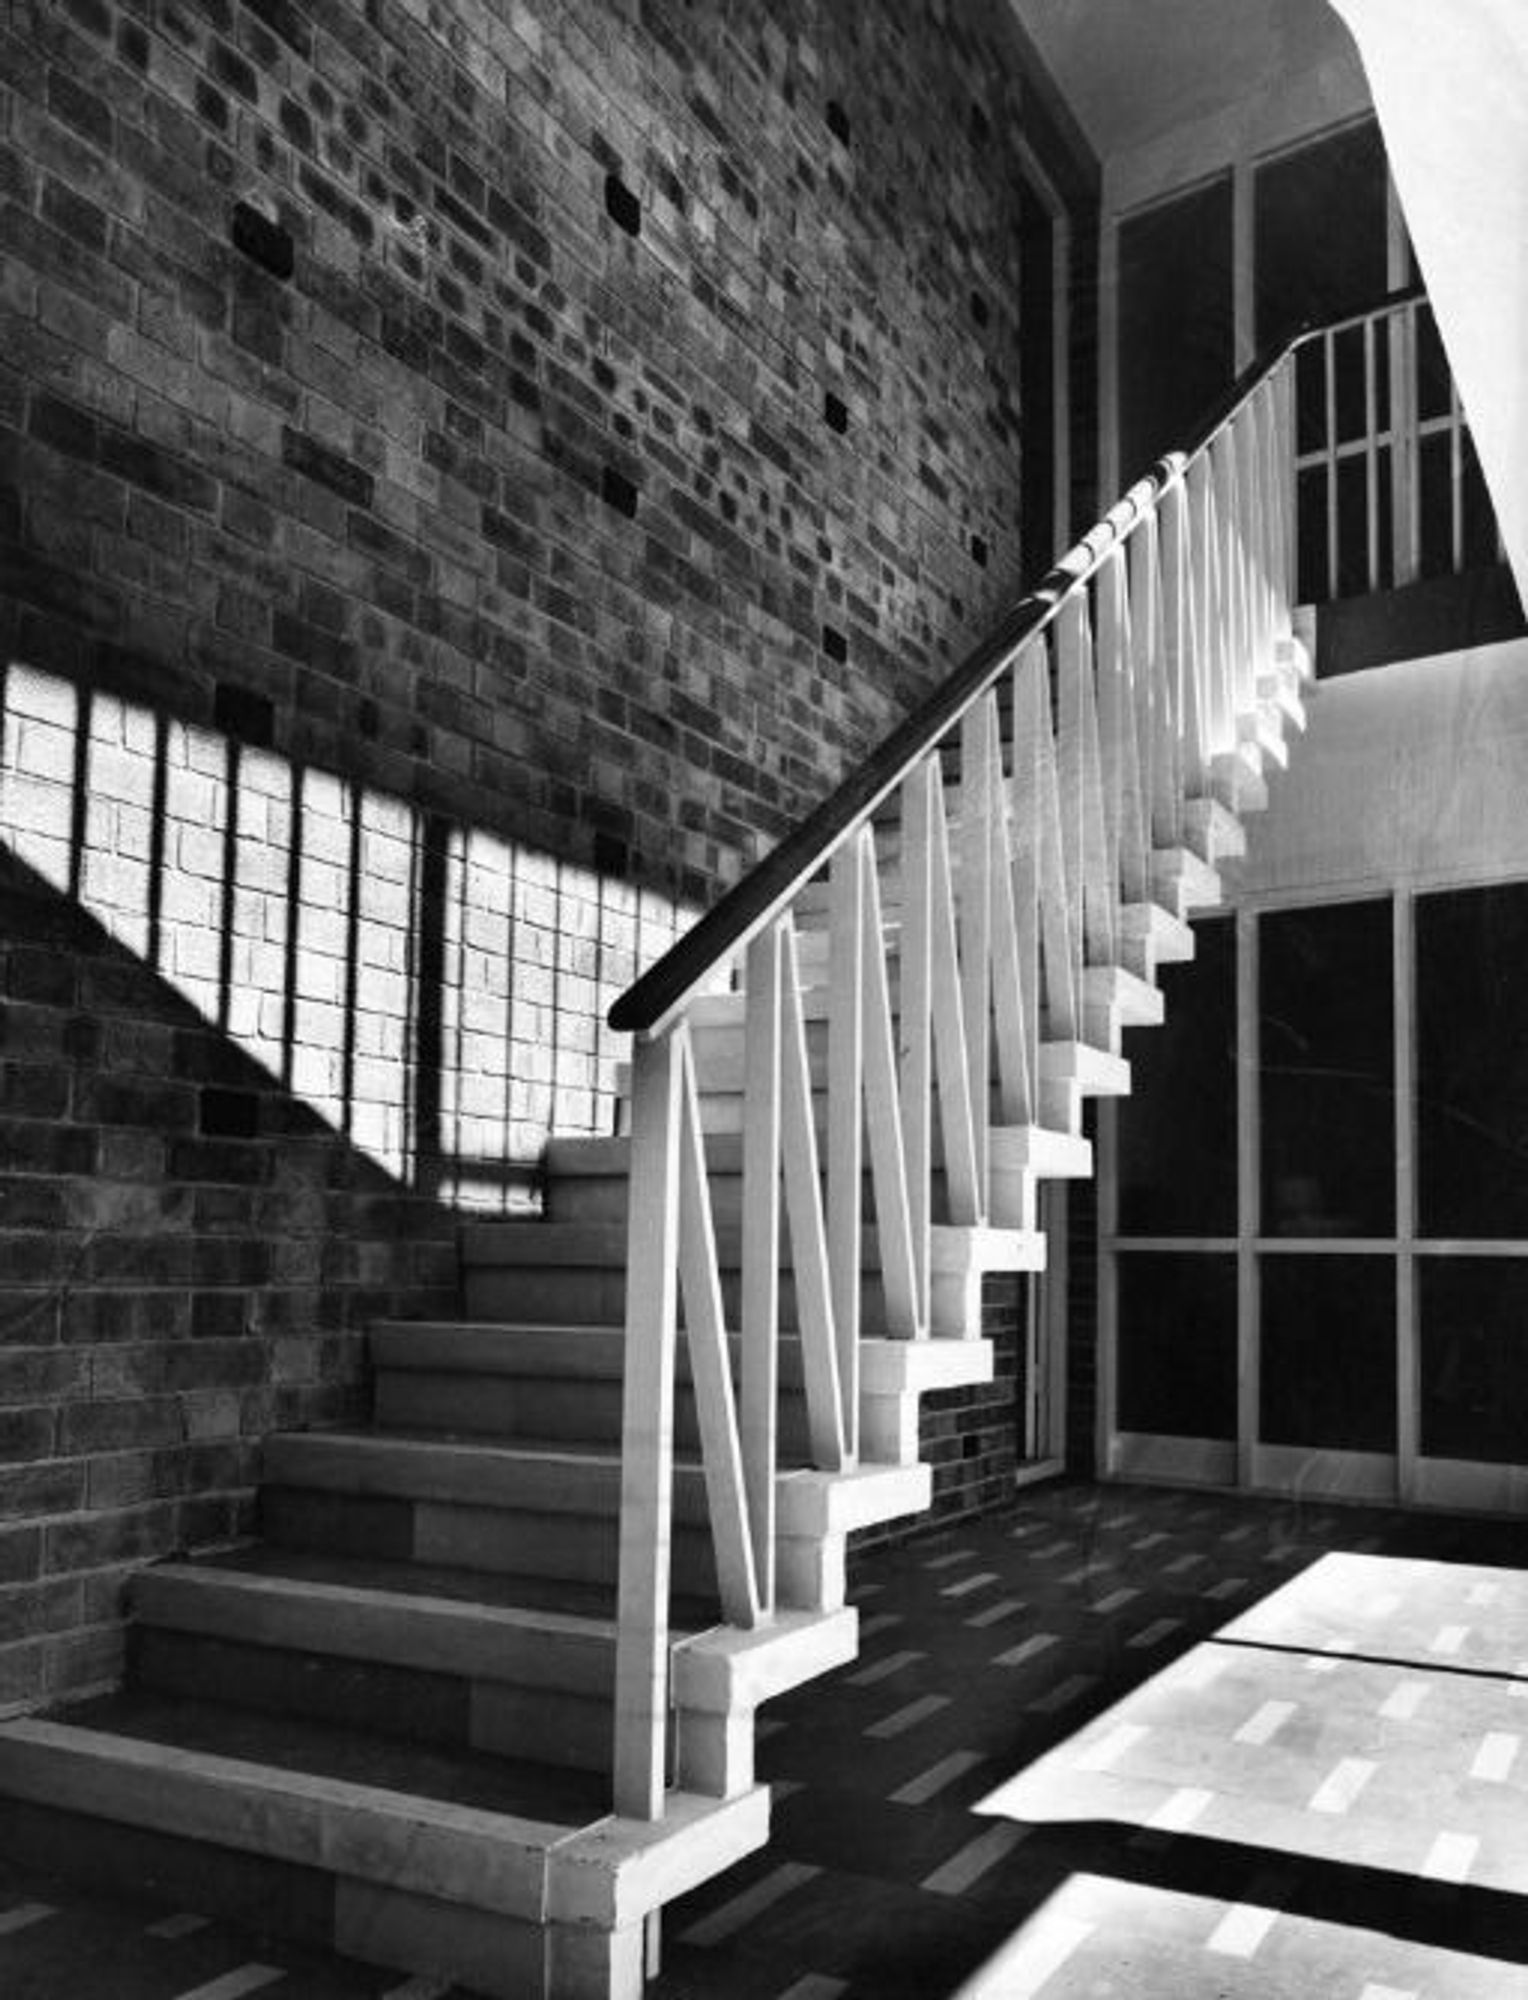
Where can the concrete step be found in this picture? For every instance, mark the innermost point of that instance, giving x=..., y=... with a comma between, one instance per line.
x=1151, y=935
x=1213, y=831
x=565, y=1273
x=523, y=1511
x=1182, y=881
x=491, y=1677
x=511, y=1879
x=474, y=1376
x=1113, y=997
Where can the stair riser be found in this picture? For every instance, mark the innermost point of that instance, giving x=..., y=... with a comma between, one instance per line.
x=451, y=1710
x=565, y=1296
x=561, y=1412
x=574, y=1547
x=592, y=1199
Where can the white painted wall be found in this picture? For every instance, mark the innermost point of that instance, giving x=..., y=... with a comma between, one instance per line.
x=1411, y=775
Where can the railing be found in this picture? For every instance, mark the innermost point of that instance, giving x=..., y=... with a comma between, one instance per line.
x=1065, y=752
x=1389, y=490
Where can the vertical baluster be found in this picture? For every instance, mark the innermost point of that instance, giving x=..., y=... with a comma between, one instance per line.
x=1371, y=453
x=975, y=906
x=916, y=1021
x=761, y=1248
x=1456, y=478
x=1329, y=353
x=883, y=1122
x=809, y=1239
x=647, y=1430
x=846, y=1070
x=711, y=1365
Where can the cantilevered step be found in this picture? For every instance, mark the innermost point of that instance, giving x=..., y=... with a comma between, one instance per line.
x=574, y=1273
x=1182, y=880
x=510, y=1879
x=1149, y=936
x=547, y=1511
x=1213, y=831
x=1072, y=1071
x=449, y=1658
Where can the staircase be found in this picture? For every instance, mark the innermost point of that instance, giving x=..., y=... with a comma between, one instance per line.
x=481, y=1701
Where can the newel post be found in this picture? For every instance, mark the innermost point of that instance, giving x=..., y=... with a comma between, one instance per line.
x=647, y=1428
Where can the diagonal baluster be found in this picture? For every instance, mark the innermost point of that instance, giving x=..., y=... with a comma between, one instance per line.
x=964, y=1188
x=647, y=1429
x=1016, y=1080
x=916, y=1017
x=808, y=1232
x=976, y=807
x=1024, y=843
x=711, y=1366
x=1117, y=722
x=1060, y=938
x=1090, y=870
x=883, y=1123
x=759, y=1388
x=846, y=1072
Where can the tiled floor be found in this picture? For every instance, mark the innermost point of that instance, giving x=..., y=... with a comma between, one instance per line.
x=1155, y=1746
x=1117, y=1743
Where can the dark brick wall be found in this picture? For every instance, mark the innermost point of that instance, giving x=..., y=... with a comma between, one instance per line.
x=469, y=477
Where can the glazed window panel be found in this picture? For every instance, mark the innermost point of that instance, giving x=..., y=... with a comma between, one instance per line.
x=1177, y=1344
x=1177, y=1129
x=1474, y=1358
x=1328, y=1353
x=1472, y=1062
x=1327, y=1083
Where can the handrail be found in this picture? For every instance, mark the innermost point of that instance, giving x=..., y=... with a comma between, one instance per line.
x=651, y=1003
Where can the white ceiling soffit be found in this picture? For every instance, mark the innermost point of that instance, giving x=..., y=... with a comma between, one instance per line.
x=1132, y=70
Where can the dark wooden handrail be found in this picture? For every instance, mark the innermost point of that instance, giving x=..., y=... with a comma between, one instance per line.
x=766, y=890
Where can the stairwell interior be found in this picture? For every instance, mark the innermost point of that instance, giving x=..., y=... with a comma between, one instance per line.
x=481, y=1699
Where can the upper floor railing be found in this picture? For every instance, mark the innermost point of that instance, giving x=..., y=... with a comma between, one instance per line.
x=868, y=1011
x=1389, y=490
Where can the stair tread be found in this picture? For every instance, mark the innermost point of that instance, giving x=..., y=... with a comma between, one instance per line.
x=515, y=1788
x=565, y=1597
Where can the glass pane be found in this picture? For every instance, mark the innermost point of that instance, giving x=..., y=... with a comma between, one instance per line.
x=1310, y=395
x=1176, y=321
x=1320, y=231
x=1327, y=1071
x=1177, y=1129
x=1474, y=1358
x=1352, y=385
x=1480, y=540
x=1328, y=1353
x=1434, y=382
x=1177, y=1344
x=1353, y=527
x=1315, y=580
x=1435, y=482
x=1472, y=1062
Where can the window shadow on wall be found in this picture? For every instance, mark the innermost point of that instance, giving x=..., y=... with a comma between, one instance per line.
x=430, y=991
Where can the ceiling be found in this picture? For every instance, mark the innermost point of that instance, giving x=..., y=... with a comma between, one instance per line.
x=1133, y=69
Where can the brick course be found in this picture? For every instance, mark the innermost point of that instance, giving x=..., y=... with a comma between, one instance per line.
x=470, y=477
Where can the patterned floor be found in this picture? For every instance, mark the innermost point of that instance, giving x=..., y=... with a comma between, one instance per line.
x=1117, y=1743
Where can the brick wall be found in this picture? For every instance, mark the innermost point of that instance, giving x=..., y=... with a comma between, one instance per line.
x=469, y=477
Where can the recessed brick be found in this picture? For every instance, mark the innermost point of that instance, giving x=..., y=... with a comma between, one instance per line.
x=622, y=206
